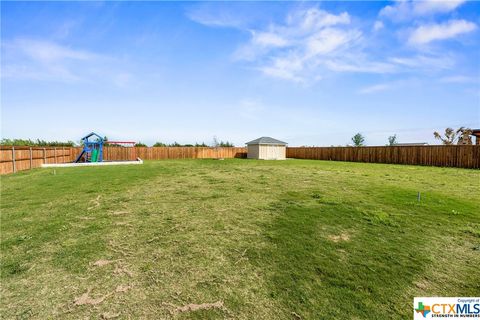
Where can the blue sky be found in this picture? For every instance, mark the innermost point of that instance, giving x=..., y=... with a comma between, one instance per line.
x=309, y=73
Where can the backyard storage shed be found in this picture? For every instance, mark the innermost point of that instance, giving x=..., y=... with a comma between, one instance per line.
x=266, y=148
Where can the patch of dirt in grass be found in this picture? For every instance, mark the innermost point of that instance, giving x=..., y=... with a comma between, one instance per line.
x=118, y=249
x=122, y=288
x=422, y=284
x=110, y=315
x=120, y=270
x=102, y=262
x=96, y=203
x=127, y=224
x=119, y=213
x=86, y=299
x=341, y=237
x=196, y=307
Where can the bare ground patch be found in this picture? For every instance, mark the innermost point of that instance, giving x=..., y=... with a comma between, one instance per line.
x=102, y=262
x=122, y=270
x=344, y=236
x=119, y=213
x=122, y=288
x=86, y=299
x=195, y=307
x=95, y=203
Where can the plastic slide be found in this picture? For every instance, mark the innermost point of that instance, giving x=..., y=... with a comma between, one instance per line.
x=94, y=155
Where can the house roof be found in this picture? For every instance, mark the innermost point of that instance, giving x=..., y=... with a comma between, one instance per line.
x=266, y=140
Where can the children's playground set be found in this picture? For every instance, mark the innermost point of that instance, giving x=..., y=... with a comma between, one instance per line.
x=92, y=153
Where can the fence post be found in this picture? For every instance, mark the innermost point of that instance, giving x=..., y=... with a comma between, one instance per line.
x=55, y=153
x=44, y=155
x=13, y=160
x=63, y=154
x=31, y=158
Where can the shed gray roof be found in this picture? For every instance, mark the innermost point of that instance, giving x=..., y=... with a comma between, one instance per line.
x=266, y=140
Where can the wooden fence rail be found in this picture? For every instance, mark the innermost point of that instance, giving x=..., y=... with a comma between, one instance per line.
x=13, y=159
x=467, y=156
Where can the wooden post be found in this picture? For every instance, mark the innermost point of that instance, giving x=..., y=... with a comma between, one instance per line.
x=44, y=155
x=13, y=160
x=63, y=154
x=55, y=153
x=31, y=158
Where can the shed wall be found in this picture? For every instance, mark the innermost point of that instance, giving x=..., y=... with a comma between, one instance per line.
x=266, y=152
x=253, y=151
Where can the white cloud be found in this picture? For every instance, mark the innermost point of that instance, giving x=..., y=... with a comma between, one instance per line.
x=359, y=64
x=49, y=51
x=268, y=39
x=43, y=60
x=401, y=10
x=204, y=14
x=433, y=32
x=375, y=88
x=328, y=40
x=378, y=25
x=314, y=19
x=288, y=68
x=459, y=79
x=436, y=6
x=311, y=44
x=304, y=46
x=407, y=9
x=39, y=59
x=431, y=62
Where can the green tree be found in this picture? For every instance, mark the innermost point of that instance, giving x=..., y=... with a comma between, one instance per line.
x=358, y=140
x=225, y=144
x=203, y=144
x=140, y=144
x=392, y=140
x=451, y=136
x=36, y=143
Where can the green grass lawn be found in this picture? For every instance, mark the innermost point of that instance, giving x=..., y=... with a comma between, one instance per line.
x=294, y=239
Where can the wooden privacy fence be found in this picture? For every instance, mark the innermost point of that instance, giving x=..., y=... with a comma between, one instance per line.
x=467, y=156
x=13, y=159
x=157, y=153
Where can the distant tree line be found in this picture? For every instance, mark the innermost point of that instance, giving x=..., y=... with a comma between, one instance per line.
x=203, y=144
x=35, y=143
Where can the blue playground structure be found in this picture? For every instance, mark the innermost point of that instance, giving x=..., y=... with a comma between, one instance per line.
x=92, y=148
